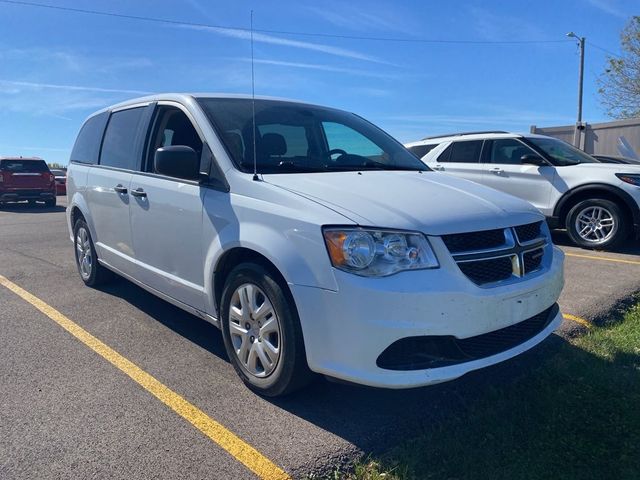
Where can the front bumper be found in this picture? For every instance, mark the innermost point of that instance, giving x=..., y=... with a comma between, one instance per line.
x=30, y=194
x=346, y=331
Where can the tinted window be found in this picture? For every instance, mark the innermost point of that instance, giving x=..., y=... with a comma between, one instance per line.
x=87, y=145
x=119, y=147
x=16, y=166
x=507, y=151
x=421, y=150
x=465, y=152
x=293, y=137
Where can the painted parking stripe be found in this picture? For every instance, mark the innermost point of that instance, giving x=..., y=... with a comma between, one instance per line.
x=582, y=321
x=234, y=445
x=603, y=259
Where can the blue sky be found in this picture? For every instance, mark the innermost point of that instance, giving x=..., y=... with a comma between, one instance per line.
x=56, y=67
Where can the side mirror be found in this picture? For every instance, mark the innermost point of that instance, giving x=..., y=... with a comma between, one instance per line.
x=533, y=159
x=177, y=161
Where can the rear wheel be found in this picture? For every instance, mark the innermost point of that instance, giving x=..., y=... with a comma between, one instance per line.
x=597, y=223
x=50, y=203
x=262, y=333
x=90, y=270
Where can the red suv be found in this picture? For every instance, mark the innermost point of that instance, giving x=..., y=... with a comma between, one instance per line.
x=26, y=179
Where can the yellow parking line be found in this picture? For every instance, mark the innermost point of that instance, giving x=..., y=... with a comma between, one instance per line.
x=582, y=321
x=604, y=259
x=238, y=448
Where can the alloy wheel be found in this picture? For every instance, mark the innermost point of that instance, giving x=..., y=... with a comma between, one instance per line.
x=595, y=225
x=83, y=248
x=255, y=330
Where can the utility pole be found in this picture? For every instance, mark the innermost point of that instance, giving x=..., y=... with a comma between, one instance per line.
x=579, y=125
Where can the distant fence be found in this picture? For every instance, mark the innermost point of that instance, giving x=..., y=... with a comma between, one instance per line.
x=599, y=138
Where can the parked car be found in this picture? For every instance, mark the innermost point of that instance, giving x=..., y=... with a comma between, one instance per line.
x=26, y=178
x=61, y=181
x=327, y=250
x=597, y=203
x=616, y=159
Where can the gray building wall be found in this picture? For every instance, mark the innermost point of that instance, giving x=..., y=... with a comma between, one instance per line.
x=599, y=138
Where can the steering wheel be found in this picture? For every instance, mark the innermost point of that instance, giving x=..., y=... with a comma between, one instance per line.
x=336, y=151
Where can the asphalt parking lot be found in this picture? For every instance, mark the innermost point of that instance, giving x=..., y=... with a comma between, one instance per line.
x=67, y=412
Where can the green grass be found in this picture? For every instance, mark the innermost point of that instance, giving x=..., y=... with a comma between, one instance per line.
x=575, y=415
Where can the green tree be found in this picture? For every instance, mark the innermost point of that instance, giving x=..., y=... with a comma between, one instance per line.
x=55, y=165
x=620, y=83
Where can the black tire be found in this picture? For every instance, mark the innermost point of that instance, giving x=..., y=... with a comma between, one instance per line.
x=50, y=203
x=291, y=371
x=618, y=234
x=98, y=274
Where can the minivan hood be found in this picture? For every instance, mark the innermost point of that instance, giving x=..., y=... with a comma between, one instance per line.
x=426, y=201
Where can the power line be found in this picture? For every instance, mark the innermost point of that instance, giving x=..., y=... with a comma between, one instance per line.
x=280, y=32
x=604, y=50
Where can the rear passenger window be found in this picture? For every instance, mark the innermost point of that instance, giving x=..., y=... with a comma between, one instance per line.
x=87, y=145
x=465, y=152
x=120, y=147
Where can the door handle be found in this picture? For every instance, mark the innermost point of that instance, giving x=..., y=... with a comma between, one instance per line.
x=438, y=167
x=139, y=192
x=120, y=189
x=497, y=171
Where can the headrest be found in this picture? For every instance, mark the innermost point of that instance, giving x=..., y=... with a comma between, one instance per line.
x=272, y=144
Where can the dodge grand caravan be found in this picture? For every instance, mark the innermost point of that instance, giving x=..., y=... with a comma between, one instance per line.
x=314, y=240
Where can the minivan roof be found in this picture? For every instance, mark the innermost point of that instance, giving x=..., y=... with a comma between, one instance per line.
x=186, y=97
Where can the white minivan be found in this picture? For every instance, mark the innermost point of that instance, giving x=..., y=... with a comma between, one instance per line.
x=313, y=239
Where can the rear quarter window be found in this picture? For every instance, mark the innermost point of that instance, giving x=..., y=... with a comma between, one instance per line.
x=421, y=150
x=87, y=145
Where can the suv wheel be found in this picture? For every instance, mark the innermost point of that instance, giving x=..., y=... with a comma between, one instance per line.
x=597, y=223
x=50, y=203
x=262, y=333
x=91, y=272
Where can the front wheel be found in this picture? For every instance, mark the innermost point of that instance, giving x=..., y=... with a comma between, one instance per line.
x=597, y=223
x=262, y=333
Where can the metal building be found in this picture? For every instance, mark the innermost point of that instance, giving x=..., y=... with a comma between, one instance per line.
x=610, y=138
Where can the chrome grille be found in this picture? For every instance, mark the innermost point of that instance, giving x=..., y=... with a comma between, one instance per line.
x=491, y=257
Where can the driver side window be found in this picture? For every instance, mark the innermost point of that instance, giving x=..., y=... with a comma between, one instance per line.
x=173, y=127
x=341, y=137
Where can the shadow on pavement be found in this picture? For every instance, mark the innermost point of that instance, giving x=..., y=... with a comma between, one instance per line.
x=371, y=419
x=24, y=207
x=630, y=247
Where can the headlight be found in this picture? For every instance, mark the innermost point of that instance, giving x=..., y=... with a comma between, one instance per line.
x=632, y=178
x=377, y=253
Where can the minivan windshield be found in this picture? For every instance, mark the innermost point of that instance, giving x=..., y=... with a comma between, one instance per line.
x=561, y=152
x=296, y=138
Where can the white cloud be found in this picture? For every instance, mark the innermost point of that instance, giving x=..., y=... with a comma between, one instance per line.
x=83, y=88
x=322, y=67
x=348, y=16
x=494, y=27
x=271, y=39
x=607, y=6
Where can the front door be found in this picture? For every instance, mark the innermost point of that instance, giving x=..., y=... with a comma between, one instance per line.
x=166, y=216
x=506, y=172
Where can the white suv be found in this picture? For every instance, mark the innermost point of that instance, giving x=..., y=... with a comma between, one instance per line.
x=343, y=255
x=598, y=203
